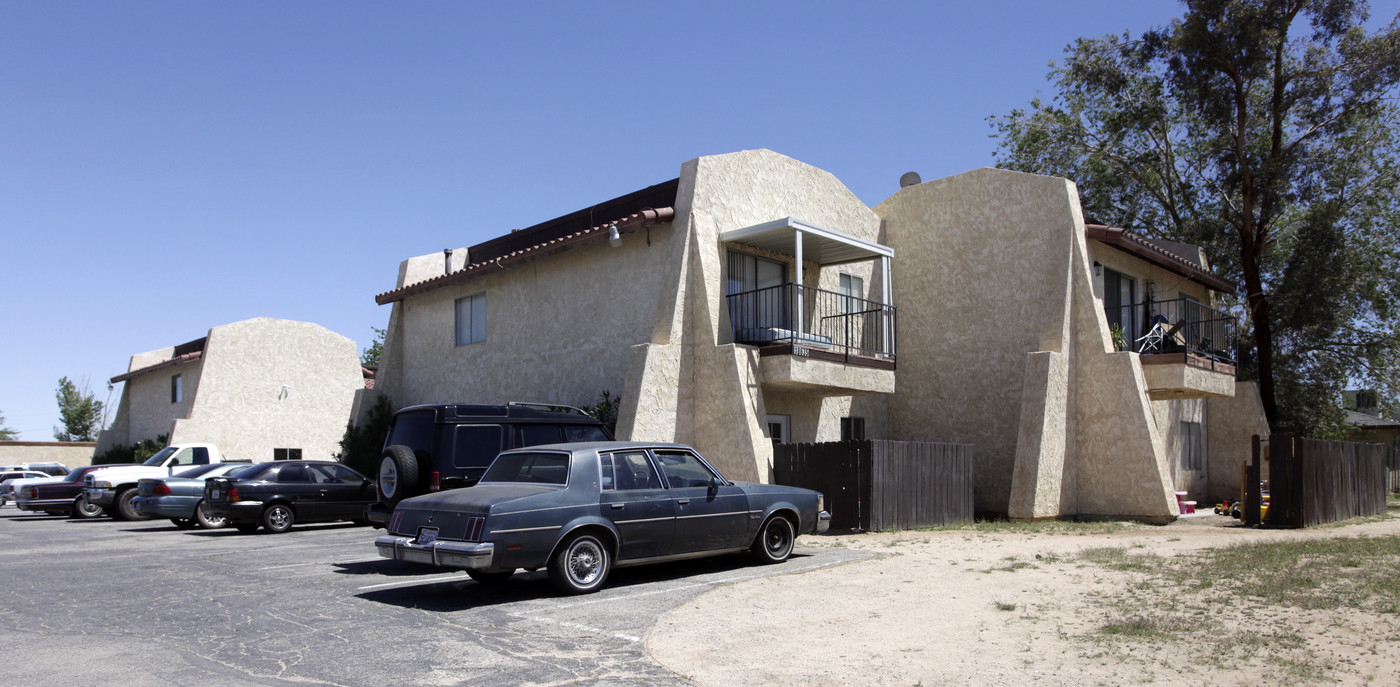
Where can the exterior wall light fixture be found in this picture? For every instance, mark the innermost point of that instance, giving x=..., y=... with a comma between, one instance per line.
x=1098, y=269
x=614, y=236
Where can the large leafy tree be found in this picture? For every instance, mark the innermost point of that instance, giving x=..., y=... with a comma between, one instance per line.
x=1265, y=132
x=79, y=411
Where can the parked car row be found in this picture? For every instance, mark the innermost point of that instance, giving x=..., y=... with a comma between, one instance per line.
x=211, y=495
x=561, y=496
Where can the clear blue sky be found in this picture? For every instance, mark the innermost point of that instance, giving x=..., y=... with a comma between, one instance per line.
x=166, y=167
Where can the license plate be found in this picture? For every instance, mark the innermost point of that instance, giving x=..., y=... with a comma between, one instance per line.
x=213, y=493
x=427, y=535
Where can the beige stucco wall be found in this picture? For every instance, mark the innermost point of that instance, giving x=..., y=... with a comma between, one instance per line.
x=1003, y=345
x=647, y=319
x=559, y=329
x=145, y=410
x=1231, y=424
x=1165, y=285
x=261, y=384
x=74, y=454
x=723, y=193
x=1169, y=416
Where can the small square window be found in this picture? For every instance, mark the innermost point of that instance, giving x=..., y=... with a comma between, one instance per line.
x=177, y=393
x=852, y=429
x=470, y=320
x=286, y=454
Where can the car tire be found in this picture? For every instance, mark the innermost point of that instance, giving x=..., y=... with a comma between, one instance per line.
x=775, y=540
x=246, y=527
x=83, y=510
x=581, y=564
x=206, y=521
x=398, y=474
x=492, y=577
x=183, y=523
x=278, y=518
x=126, y=511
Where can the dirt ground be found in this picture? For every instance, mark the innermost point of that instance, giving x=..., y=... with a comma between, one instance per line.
x=972, y=608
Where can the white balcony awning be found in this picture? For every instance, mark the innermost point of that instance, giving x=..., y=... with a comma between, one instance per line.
x=821, y=246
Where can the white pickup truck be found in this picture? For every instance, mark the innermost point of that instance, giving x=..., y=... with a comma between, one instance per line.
x=114, y=487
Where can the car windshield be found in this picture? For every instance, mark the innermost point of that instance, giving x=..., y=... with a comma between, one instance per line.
x=532, y=467
x=157, y=459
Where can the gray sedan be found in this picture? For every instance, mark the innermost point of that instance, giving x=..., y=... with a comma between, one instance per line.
x=581, y=509
x=181, y=496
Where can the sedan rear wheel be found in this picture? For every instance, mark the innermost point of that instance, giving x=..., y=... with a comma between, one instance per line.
x=278, y=518
x=581, y=565
x=83, y=510
x=775, y=540
x=208, y=522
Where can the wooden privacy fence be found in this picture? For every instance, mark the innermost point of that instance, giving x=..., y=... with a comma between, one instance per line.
x=882, y=485
x=1313, y=482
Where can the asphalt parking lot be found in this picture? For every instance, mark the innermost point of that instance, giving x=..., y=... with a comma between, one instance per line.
x=144, y=603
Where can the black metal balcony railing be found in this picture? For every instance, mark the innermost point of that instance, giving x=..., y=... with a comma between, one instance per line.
x=828, y=320
x=1186, y=325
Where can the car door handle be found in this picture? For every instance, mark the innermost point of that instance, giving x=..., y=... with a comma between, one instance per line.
x=683, y=501
x=616, y=506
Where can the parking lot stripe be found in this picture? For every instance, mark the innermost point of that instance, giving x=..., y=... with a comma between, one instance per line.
x=414, y=582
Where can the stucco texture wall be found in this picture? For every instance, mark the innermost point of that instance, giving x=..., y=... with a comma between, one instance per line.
x=1004, y=346
x=1231, y=424
x=981, y=279
x=267, y=383
x=723, y=413
x=559, y=329
x=145, y=410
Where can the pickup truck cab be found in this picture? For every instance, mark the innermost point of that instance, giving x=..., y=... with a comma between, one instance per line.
x=114, y=487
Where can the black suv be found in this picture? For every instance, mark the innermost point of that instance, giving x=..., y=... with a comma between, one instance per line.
x=433, y=447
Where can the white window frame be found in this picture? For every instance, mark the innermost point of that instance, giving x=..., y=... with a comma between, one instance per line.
x=852, y=291
x=782, y=423
x=1192, y=446
x=471, y=328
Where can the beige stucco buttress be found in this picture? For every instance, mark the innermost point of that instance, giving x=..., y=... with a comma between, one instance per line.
x=1003, y=346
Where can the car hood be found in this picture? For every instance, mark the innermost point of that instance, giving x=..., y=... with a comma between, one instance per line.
x=482, y=498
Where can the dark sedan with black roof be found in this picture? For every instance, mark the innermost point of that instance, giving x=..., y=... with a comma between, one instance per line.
x=582, y=509
x=276, y=495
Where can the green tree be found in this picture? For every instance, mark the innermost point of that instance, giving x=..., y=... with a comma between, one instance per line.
x=1265, y=132
x=360, y=445
x=7, y=434
x=79, y=412
x=605, y=410
x=370, y=356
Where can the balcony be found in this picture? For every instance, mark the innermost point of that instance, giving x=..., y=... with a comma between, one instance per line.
x=817, y=341
x=1186, y=350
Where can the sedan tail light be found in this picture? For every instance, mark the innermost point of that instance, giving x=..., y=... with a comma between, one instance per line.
x=233, y=495
x=434, y=482
x=33, y=492
x=161, y=489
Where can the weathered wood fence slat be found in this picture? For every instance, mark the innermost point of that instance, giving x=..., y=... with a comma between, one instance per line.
x=1312, y=482
x=883, y=485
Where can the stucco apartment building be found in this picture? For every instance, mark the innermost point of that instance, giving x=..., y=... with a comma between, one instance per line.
x=756, y=299
x=261, y=389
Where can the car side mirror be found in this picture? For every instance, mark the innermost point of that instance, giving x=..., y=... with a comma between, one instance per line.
x=713, y=485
